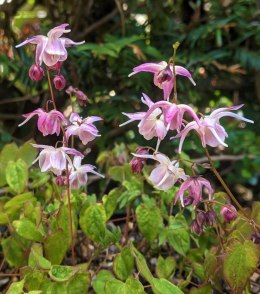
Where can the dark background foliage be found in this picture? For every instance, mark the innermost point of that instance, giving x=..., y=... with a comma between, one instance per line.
x=219, y=45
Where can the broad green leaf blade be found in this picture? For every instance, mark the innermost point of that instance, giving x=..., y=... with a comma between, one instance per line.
x=8, y=154
x=36, y=259
x=61, y=273
x=17, y=175
x=27, y=152
x=240, y=261
x=79, y=284
x=165, y=267
x=100, y=281
x=162, y=286
x=92, y=222
x=131, y=286
x=123, y=264
x=28, y=230
x=149, y=221
x=110, y=202
x=16, y=288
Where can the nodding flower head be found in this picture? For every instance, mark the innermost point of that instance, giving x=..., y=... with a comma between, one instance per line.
x=48, y=122
x=209, y=129
x=194, y=187
x=137, y=163
x=51, y=49
x=163, y=75
x=59, y=82
x=228, y=213
x=36, y=72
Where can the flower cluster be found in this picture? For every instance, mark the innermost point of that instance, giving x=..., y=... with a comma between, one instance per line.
x=163, y=117
x=51, y=51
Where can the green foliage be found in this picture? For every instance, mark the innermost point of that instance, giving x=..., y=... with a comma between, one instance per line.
x=123, y=264
x=165, y=267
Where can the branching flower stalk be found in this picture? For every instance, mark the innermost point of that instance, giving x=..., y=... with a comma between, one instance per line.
x=65, y=161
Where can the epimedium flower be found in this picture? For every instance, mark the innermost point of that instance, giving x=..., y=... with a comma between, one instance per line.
x=172, y=114
x=79, y=173
x=83, y=128
x=51, y=49
x=194, y=187
x=151, y=126
x=163, y=75
x=228, y=213
x=137, y=164
x=48, y=122
x=166, y=173
x=54, y=159
x=209, y=129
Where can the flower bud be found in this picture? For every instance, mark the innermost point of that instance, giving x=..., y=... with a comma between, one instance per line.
x=255, y=237
x=36, y=72
x=188, y=200
x=60, y=181
x=211, y=217
x=137, y=163
x=201, y=218
x=196, y=228
x=56, y=66
x=81, y=97
x=228, y=213
x=59, y=82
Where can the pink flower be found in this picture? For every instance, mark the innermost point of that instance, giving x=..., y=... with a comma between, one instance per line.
x=54, y=159
x=51, y=49
x=172, y=114
x=36, y=72
x=166, y=174
x=163, y=75
x=228, y=213
x=209, y=129
x=151, y=125
x=59, y=82
x=78, y=176
x=194, y=186
x=48, y=122
x=83, y=128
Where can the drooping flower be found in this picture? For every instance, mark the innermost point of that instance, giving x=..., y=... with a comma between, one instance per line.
x=228, y=213
x=54, y=159
x=36, y=72
x=151, y=126
x=82, y=98
x=166, y=174
x=209, y=129
x=48, y=122
x=194, y=186
x=163, y=75
x=172, y=114
x=59, y=82
x=51, y=49
x=83, y=128
x=79, y=174
x=137, y=163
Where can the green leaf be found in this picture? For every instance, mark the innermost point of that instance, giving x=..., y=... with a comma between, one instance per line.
x=28, y=230
x=60, y=273
x=141, y=264
x=131, y=286
x=162, y=286
x=123, y=264
x=120, y=173
x=79, y=284
x=18, y=200
x=110, y=202
x=165, y=267
x=17, y=175
x=27, y=152
x=14, y=252
x=178, y=235
x=240, y=261
x=36, y=258
x=202, y=290
x=99, y=283
x=8, y=154
x=34, y=280
x=92, y=222
x=16, y=288
x=56, y=246
x=149, y=221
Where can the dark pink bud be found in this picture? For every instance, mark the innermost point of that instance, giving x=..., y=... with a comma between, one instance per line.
x=201, y=218
x=228, y=213
x=187, y=201
x=60, y=181
x=196, y=228
x=81, y=97
x=56, y=66
x=36, y=72
x=255, y=237
x=59, y=82
x=211, y=217
x=137, y=163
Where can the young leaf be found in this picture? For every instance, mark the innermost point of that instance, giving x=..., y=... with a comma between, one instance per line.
x=27, y=152
x=8, y=154
x=28, y=230
x=239, y=263
x=16, y=288
x=123, y=264
x=99, y=283
x=162, y=286
x=61, y=273
x=36, y=259
x=17, y=175
x=149, y=221
x=92, y=222
x=110, y=202
x=165, y=267
x=79, y=284
x=131, y=286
